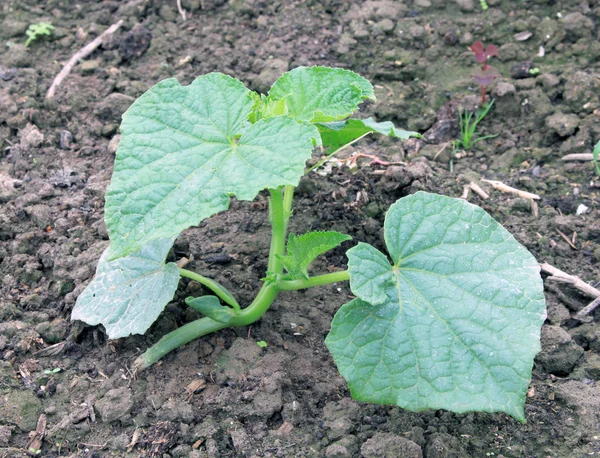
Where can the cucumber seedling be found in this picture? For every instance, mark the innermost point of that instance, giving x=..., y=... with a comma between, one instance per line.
x=449, y=318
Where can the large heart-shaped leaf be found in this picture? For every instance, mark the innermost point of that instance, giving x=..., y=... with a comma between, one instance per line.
x=320, y=94
x=186, y=149
x=454, y=322
x=128, y=294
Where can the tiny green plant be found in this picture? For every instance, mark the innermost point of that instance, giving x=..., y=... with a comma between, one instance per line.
x=468, y=122
x=449, y=318
x=484, y=5
x=262, y=344
x=596, y=158
x=56, y=370
x=35, y=31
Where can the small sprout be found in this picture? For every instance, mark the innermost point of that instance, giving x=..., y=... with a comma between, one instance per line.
x=262, y=344
x=56, y=370
x=534, y=71
x=484, y=5
x=468, y=125
x=35, y=31
x=486, y=75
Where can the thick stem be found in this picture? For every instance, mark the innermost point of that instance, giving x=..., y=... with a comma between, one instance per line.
x=288, y=198
x=294, y=285
x=277, y=218
x=215, y=287
x=176, y=339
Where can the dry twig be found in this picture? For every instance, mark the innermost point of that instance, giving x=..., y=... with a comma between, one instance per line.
x=578, y=157
x=477, y=190
x=505, y=188
x=79, y=55
x=576, y=282
x=587, y=309
x=181, y=11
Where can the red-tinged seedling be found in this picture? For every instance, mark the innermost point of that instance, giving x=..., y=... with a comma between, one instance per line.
x=487, y=74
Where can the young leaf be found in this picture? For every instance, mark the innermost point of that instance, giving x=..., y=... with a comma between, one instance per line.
x=321, y=94
x=212, y=308
x=304, y=249
x=336, y=134
x=459, y=323
x=128, y=294
x=186, y=149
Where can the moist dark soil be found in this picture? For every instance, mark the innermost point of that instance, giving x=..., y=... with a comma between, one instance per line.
x=223, y=396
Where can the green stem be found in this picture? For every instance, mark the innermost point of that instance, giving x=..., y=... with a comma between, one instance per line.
x=277, y=218
x=294, y=285
x=215, y=287
x=288, y=198
x=176, y=339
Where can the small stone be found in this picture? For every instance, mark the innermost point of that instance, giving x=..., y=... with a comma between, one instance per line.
x=502, y=89
x=17, y=56
x=562, y=124
x=113, y=106
x=441, y=445
x=30, y=137
x=522, y=70
x=5, y=433
x=392, y=445
x=20, y=408
x=337, y=451
x=272, y=70
x=113, y=145
x=54, y=331
x=385, y=25
x=174, y=410
x=465, y=5
x=115, y=405
x=136, y=41
x=90, y=66
x=559, y=352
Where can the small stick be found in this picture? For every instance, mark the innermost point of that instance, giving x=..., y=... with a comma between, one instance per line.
x=559, y=275
x=578, y=157
x=465, y=194
x=571, y=244
x=79, y=55
x=477, y=190
x=505, y=188
x=534, y=208
x=181, y=10
x=588, y=309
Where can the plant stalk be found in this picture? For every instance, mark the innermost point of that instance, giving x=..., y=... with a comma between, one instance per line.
x=294, y=285
x=215, y=287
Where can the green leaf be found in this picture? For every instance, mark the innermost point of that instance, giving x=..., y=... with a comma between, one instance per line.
x=320, y=94
x=304, y=249
x=186, y=149
x=211, y=307
x=337, y=134
x=128, y=294
x=459, y=323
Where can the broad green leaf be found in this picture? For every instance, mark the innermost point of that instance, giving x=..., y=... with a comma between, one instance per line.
x=340, y=133
x=212, y=308
x=321, y=94
x=128, y=294
x=186, y=149
x=304, y=249
x=454, y=323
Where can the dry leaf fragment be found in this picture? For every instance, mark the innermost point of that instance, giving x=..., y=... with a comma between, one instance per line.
x=522, y=36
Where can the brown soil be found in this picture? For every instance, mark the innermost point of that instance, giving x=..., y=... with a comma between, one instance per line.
x=288, y=399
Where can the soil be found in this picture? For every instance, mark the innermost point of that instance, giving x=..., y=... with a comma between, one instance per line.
x=223, y=396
